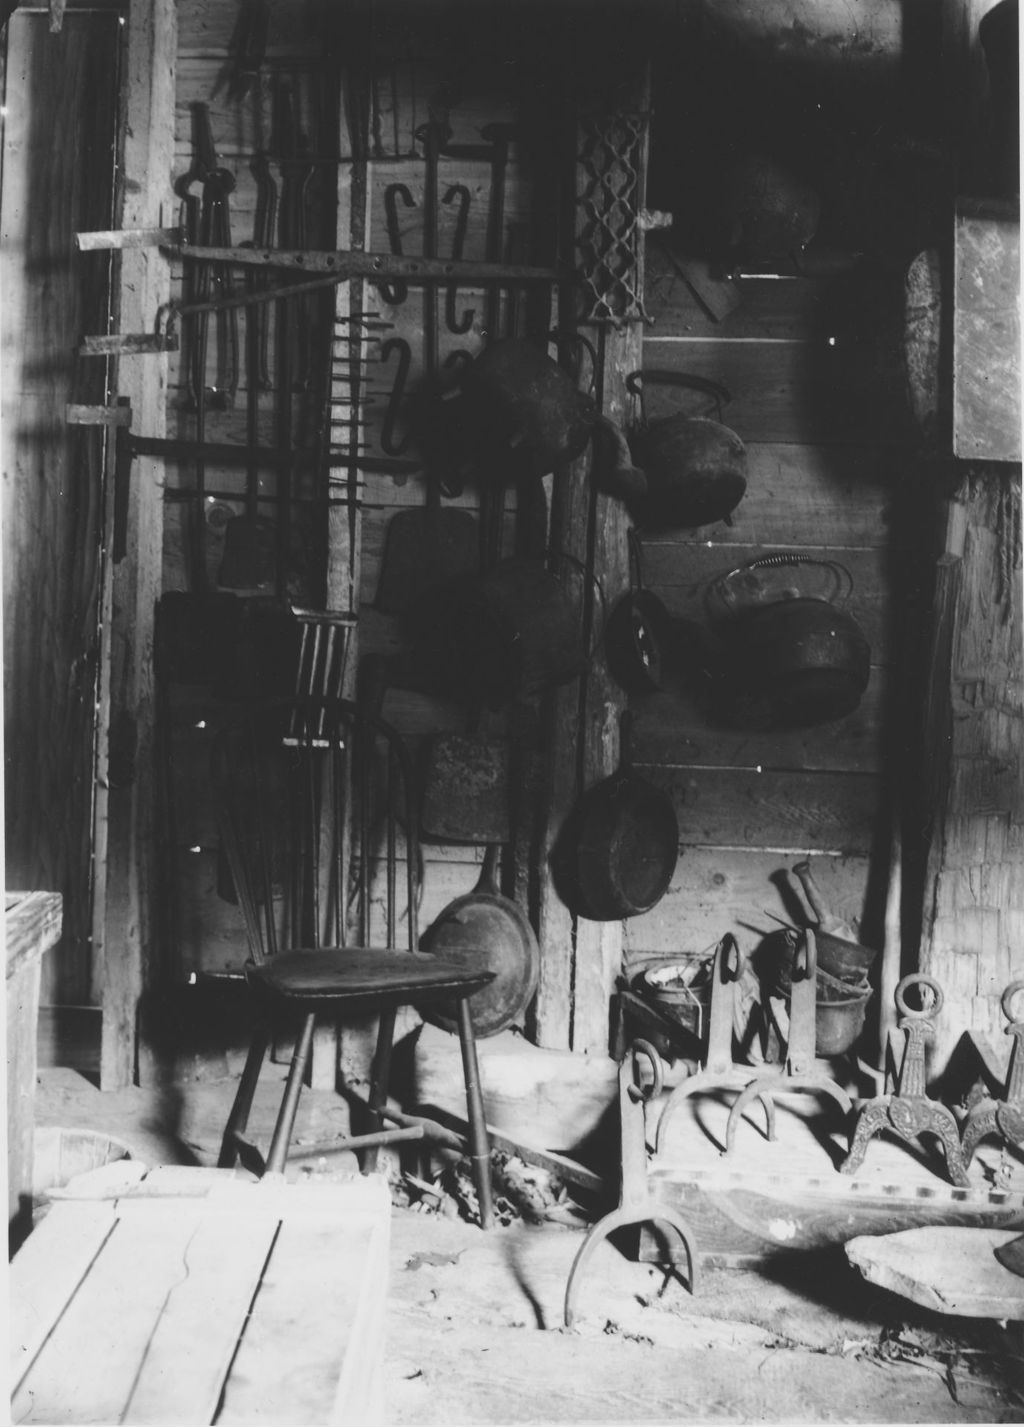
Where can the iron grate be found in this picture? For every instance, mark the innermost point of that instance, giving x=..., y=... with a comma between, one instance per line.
x=611, y=198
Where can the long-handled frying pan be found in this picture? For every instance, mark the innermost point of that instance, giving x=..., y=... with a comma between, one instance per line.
x=486, y=931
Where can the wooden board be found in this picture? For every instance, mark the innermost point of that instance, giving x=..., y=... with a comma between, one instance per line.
x=947, y=1269
x=798, y=392
x=32, y=924
x=124, y=918
x=57, y=175
x=986, y=335
x=154, y=1307
x=782, y=310
x=672, y=729
x=839, y=496
x=767, y=1198
x=723, y=889
x=739, y=807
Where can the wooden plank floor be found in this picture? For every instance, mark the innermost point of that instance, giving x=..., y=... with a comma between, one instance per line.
x=246, y=1303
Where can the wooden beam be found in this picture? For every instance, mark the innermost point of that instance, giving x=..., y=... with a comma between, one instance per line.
x=974, y=886
x=125, y=917
x=986, y=333
x=346, y=263
x=581, y=958
x=126, y=238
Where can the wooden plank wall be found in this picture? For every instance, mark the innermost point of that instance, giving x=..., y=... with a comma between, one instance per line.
x=825, y=428
x=206, y=929
x=974, y=893
x=817, y=396
x=59, y=131
x=200, y=929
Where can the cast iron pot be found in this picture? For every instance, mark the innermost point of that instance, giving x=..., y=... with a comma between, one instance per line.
x=796, y=663
x=793, y=662
x=485, y=931
x=636, y=635
x=625, y=841
x=696, y=468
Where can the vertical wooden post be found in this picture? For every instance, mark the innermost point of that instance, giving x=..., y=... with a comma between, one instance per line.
x=580, y=959
x=348, y=356
x=973, y=931
x=599, y=944
x=123, y=937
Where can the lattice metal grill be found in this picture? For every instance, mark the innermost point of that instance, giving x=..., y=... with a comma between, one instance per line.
x=611, y=164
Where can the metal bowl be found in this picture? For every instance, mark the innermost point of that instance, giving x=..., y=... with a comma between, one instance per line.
x=847, y=960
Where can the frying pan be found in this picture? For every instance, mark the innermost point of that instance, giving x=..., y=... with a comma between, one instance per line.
x=485, y=931
x=636, y=633
x=626, y=842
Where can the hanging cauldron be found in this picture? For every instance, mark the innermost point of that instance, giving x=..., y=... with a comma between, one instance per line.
x=696, y=468
x=788, y=659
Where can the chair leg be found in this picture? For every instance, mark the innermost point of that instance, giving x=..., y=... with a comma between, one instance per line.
x=290, y=1103
x=479, y=1145
x=380, y=1076
x=239, y=1116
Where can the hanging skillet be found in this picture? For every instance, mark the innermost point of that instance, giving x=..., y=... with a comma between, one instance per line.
x=636, y=633
x=623, y=843
x=696, y=468
x=487, y=931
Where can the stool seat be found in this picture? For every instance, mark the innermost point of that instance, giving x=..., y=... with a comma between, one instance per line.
x=348, y=973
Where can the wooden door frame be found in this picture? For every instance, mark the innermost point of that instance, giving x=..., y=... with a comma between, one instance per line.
x=125, y=911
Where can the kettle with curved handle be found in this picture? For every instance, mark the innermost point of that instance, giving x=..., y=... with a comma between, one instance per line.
x=696, y=467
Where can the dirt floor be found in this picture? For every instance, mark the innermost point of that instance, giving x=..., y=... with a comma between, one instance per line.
x=475, y=1320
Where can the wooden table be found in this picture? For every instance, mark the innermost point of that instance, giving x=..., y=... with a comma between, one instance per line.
x=196, y=1294
x=32, y=925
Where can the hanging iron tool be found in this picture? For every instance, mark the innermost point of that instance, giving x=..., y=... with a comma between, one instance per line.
x=264, y=227
x=457, y=193
x=495, y=151
x=638, y=1201
x=246, y=50
x=395, y=293
x=215, y=228
x=247, y=562
x=205, y=220
x=290, y=145
x=392, y=444
x=431, y=136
